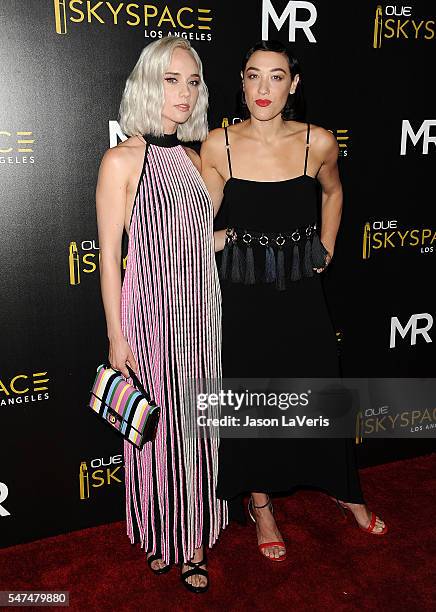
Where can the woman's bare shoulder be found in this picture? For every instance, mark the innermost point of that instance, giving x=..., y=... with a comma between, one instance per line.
x=213, y=146
x=214, y=137
x=216, y=140
x=322, y=138
x=120, y=157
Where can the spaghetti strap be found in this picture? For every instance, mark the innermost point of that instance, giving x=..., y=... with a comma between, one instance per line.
x=228, y=150
x=307, y=147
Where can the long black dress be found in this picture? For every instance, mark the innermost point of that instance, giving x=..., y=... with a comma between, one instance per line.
x=279, y=328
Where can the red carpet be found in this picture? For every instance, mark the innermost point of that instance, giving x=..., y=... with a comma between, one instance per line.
x=331, y=565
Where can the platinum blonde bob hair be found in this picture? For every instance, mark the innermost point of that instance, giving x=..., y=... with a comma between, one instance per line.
x=143, y=96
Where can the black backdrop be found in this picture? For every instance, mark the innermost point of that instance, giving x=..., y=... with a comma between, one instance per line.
x=366, y=74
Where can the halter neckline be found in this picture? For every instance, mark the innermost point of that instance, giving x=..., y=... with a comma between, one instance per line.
x=166, y=140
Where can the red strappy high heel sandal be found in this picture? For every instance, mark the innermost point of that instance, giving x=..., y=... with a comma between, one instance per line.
x=261, y=547
x=370, y=528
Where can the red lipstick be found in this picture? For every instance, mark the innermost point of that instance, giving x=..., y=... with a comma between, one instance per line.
x=261, y=102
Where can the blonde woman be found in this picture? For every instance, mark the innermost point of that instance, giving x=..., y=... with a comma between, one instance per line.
x=164, y=319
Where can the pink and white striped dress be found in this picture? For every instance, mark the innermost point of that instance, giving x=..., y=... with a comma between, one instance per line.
x=171, y=318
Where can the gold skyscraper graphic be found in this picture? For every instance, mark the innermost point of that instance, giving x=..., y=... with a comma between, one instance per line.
x=378, y=27
x=74, y=264
x=366, y=241
x=60, y=11
x=359, y=428
x=84, y=481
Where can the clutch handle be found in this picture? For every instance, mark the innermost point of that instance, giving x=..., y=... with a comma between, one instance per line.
x=137, y=383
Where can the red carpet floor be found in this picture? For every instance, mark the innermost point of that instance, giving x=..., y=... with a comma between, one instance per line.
x=331, y=565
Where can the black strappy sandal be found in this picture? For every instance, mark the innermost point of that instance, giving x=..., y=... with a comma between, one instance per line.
x=160, y=570
x=195, y=571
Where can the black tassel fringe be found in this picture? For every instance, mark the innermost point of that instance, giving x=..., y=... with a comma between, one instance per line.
x=225, y=259
x=249, y=267
x=308, y=265
x=295, y=268
x=270, y=265
x=237, y=264
x=280, y=279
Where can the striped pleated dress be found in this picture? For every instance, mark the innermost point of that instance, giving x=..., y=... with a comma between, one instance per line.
x=171, y=318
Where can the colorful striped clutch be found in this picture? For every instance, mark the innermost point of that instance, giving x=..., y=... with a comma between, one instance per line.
x=127, y=408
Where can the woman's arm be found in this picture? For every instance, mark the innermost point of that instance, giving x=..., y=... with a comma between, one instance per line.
x=210, y=151
x=111, y=194
x=220, y=240
x=331, y=208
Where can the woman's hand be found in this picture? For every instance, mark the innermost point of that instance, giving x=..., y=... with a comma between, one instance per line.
x=219, y=240
x=328, y=259
x=120, y=353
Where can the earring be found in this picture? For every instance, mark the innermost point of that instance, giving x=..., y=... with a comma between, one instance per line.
x=289, y=105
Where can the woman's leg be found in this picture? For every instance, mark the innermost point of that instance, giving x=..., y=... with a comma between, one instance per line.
x=353, y=498
x=196, y=580
x=363, y=516
x=157, y=563
x=266, y=526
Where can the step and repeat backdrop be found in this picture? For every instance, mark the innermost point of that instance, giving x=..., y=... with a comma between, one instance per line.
x=367, y=77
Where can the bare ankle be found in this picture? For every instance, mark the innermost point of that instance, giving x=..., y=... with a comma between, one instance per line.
x=260, y=499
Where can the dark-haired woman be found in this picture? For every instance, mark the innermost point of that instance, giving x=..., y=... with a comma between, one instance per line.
x=275, y=318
